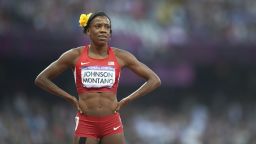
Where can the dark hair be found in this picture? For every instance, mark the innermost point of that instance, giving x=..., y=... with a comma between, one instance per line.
x=94, y=15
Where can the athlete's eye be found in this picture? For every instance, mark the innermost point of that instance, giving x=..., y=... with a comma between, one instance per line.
x=107, y=26
x=97, y=26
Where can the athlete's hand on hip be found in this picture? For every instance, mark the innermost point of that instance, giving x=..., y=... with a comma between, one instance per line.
x=122, y=103
x=76, y=104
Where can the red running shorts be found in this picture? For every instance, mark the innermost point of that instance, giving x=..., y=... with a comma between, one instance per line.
x=98, y=127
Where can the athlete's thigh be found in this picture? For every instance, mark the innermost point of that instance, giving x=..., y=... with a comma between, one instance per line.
x=84, y=140
x=113, y=139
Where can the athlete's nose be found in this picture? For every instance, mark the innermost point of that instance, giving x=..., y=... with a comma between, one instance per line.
x=103, y=29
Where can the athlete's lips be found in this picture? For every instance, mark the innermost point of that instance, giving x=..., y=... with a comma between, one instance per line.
x=102, y=37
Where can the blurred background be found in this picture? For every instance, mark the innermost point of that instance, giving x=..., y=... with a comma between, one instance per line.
x=203, y=50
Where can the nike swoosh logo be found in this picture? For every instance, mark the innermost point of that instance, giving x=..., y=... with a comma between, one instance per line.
x=115, y=128
x=84, y=63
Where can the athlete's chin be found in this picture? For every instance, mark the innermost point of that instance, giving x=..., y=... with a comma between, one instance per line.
x=102, y=42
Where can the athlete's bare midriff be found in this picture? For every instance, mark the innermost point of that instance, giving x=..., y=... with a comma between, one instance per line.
x=98, y=103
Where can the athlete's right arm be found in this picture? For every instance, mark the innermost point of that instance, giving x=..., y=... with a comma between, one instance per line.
x=44, y=79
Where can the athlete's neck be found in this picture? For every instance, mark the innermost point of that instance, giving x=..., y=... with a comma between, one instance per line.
x=98, y=50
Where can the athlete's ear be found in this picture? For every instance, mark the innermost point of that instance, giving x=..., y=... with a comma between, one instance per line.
x=110, y=34
x=87, y=32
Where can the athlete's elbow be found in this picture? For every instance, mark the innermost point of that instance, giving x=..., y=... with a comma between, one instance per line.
x=157, y=82
x=38, y=80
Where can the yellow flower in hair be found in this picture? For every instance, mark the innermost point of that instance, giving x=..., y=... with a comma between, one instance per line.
x=84, y=19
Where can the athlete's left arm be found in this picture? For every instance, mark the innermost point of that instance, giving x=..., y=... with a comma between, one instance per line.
x=152, y=80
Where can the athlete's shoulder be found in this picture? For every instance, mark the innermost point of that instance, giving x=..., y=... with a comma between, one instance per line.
x=121, y=52
x=77, y=49
x=73, y=51
x=70, y=56
x=125, y=57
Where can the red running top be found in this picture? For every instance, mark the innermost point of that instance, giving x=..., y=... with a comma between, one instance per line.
x=96, y=75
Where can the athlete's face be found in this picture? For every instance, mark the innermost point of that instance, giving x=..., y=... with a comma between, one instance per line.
x=99, y=30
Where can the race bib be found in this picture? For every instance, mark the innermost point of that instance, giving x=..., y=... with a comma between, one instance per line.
x=98, y=76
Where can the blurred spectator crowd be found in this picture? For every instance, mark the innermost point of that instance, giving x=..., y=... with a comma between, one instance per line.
x=152, y=26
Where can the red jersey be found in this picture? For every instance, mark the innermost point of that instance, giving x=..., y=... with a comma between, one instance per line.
x=96, y=75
